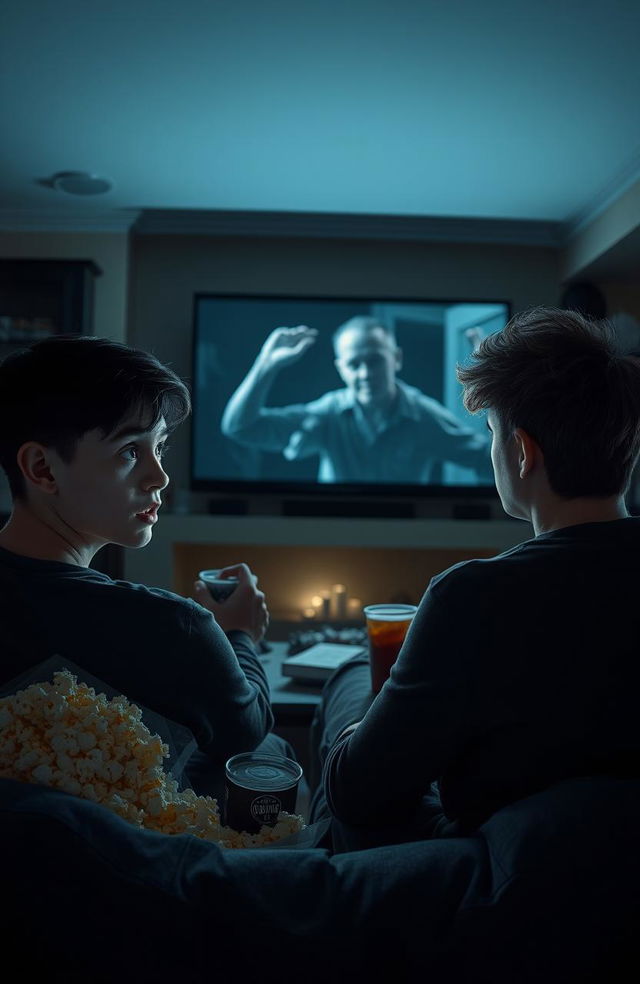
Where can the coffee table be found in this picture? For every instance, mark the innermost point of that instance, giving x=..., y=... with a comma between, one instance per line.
x=293, y=707
x=293, y=703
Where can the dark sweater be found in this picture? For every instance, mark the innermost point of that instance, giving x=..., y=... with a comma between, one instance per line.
x=518, y=671
x=157, y=648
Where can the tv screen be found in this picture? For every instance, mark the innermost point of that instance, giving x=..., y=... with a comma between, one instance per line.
x=340, y=395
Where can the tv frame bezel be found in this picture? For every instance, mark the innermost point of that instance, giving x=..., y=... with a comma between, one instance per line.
x=368, y=490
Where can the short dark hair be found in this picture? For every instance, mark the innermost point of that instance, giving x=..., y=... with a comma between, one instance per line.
x=362, y=322
x=558, y=376
x=62, y=387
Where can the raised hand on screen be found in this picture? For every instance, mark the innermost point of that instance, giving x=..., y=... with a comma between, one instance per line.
x=284, y=346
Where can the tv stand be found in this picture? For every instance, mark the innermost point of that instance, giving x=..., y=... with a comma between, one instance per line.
x=351, y=508
x=475, y=510
x=298, y=556
x=228, y=507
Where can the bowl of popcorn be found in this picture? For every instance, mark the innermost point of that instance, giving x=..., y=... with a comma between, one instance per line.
x=65, y=735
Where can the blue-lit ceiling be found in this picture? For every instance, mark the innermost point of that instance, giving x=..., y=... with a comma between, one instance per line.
x=488, y=109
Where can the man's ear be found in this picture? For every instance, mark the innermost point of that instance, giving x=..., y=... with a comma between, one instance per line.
x=528, y=451
x=34, y=462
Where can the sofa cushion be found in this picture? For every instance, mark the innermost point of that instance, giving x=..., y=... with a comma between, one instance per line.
x=561, y=898
x=547, y=887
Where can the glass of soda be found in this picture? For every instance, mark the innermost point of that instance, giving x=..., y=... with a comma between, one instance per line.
x=386, y=628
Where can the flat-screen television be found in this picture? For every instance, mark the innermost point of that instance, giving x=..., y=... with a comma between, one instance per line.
x=328, y=395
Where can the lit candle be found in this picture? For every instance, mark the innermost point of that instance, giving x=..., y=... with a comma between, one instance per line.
x=316, y=604
x=354, y=608
x=339, y=601
x=308, y=614
x=326, y=604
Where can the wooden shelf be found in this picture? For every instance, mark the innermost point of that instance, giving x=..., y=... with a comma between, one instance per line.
x=45, y=297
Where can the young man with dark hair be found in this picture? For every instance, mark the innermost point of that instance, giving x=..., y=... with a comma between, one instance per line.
x=519, y=670
x=83, y=433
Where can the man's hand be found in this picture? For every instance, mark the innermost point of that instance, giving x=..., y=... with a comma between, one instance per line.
x=284, y=346
x=245, y=609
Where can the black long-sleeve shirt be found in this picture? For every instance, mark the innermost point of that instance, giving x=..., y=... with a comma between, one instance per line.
x=518, y=670
x=157, y=648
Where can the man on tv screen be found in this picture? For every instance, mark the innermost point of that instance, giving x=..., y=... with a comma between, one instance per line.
x=376, y=428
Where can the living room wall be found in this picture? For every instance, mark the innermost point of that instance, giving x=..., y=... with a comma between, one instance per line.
x=167, y=270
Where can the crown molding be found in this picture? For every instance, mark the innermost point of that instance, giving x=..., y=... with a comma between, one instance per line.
x=319, y=225
x=55, y=220
x=348, y=226
x=609, y=193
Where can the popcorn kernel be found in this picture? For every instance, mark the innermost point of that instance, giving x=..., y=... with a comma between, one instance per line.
x=63, y=734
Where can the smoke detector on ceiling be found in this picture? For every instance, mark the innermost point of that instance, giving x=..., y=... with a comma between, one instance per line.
x=81, y=183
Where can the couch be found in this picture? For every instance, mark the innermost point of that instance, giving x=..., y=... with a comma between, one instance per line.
x=548, y=890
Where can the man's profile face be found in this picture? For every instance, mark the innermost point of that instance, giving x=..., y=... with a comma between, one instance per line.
x=367, y=361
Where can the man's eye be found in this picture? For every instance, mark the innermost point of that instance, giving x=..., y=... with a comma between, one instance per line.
x=161, y=450
x=131, y=452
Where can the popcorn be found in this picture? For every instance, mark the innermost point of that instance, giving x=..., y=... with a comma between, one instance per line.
x=63, y=734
